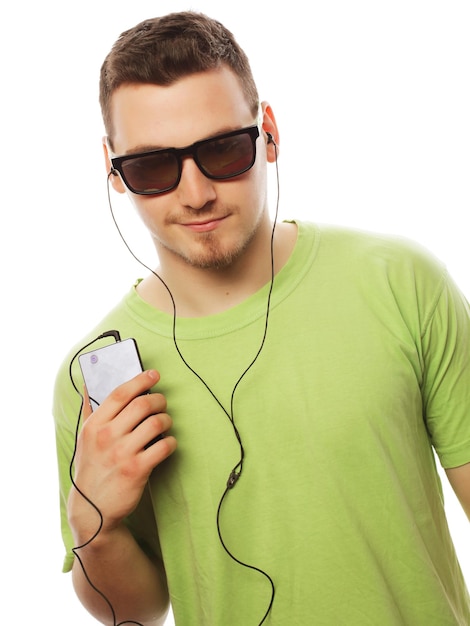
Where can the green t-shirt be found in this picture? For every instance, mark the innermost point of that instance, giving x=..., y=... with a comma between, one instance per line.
x=365, y=368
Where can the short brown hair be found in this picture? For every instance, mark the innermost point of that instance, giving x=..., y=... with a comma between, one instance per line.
x=162, y=50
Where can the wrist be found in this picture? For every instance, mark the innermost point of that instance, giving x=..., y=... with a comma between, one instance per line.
x=88, y=524
x=99, y=538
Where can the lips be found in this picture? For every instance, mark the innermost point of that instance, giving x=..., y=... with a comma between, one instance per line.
x=204, y=226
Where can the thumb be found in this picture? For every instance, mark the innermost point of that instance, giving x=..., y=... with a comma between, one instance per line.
x=86, y=408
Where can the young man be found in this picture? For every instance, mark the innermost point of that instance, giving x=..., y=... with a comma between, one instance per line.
x=309, y=374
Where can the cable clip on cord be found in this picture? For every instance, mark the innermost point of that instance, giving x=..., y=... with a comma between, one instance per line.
x=232, y=479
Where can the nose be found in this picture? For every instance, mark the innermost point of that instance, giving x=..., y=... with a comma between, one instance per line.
x=195, y=190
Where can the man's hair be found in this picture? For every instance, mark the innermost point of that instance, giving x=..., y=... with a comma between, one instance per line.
x=163, y=50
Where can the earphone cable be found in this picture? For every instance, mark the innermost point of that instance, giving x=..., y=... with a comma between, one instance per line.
x=237, y=470
x=75, y=549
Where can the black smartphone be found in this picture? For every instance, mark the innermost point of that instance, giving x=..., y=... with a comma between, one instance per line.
x=107, y=367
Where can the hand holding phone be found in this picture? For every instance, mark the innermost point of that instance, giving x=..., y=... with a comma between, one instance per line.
x=107, y=367
x=113, y=460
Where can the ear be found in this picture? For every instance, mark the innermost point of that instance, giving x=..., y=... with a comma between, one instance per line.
x=269, y=125
x=115, y=179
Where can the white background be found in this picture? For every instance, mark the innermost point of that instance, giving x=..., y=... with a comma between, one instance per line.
x=373, y=101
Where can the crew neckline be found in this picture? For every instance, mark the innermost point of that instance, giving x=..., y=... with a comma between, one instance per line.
x=242, y=314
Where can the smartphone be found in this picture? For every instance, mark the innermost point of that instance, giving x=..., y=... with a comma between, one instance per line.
x=106, y=368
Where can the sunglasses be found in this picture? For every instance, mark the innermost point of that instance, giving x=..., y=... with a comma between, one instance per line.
x=219, y=158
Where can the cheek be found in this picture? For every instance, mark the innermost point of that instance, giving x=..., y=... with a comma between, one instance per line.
x=147, y=211
x=249, y=190
x=256, y=192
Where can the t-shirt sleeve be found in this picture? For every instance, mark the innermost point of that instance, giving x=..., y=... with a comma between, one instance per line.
x=446, y=384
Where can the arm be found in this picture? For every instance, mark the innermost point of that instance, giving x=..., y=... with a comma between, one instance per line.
x=112, y=467
x=134, y=585
x=459, y=478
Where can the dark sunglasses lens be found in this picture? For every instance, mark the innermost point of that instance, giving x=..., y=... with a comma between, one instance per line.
x=227, y=157
x=153, y=173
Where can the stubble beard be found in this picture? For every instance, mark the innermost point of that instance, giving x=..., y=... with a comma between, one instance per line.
x=211, y=252
x=213, y=255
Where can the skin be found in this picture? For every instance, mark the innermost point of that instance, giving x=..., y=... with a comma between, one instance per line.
x=110, y=460
x=213, y=235
x=459, y=478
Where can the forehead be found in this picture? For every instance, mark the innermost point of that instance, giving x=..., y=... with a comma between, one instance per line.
x=193, y=108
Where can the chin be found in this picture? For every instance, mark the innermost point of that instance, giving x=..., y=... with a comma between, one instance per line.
x=213, y=261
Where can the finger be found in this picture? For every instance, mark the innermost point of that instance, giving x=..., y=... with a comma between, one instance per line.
x=159, y=451
x=139, y=409
x=86, y=407
x=149, y=430
x=120, y=397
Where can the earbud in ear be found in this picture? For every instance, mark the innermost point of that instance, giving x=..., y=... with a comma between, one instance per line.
x=113, y=172
x=270, y=138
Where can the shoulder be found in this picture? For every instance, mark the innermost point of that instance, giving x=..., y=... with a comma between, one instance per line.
x=382, y=270
x=117, y=320
x=356, y=248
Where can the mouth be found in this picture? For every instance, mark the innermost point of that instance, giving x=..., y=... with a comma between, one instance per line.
x=204, y=226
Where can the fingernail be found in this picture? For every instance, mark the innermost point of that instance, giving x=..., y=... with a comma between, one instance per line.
x=152, y=374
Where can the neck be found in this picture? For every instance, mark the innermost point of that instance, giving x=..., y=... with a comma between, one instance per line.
x=200, y=292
